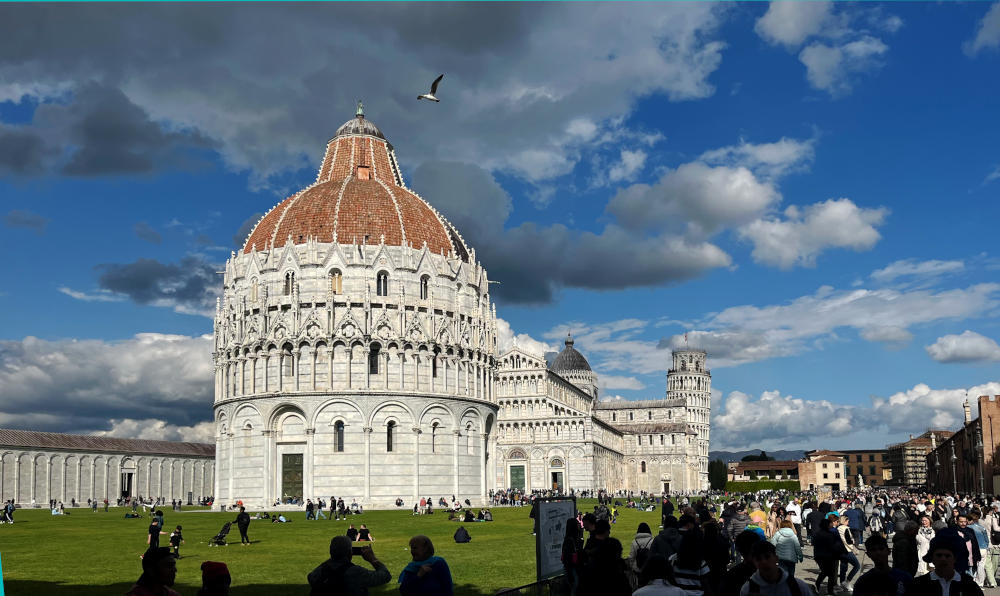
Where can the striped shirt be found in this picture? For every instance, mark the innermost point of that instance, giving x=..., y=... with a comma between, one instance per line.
x=689, y=580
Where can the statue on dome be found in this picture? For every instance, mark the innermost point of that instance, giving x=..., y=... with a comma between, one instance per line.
x=361, y=110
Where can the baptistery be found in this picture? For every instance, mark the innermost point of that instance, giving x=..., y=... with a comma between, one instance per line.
x=355, y=344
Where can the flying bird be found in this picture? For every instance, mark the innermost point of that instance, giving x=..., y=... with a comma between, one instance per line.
x=434, y=89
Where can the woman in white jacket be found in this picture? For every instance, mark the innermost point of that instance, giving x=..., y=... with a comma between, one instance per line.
x=925, y=533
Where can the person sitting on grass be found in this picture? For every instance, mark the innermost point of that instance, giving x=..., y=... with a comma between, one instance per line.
x=352, y=533
x=426, y=574
x=338, y=576
x=215, y=579
x=364, y=535
x=159, y=570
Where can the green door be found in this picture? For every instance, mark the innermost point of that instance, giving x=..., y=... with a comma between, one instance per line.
x=517, y=477
x=291, y=476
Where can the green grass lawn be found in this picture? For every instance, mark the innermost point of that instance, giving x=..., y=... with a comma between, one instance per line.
x=98, y=553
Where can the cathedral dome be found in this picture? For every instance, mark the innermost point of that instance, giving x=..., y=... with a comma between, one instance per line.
x=569, y=358
x=358, y=198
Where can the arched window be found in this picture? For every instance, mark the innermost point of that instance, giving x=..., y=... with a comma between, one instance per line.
x=649, y=415
x=468, y=439
x=338, y=431
x=286, y=362
x=434, y=430
x=614, y=417
x=642, y=467
x=630, y=416
x=425, y=282
x=382, y=284
x=336, y=282
x=289, y=283
x=390, y=434
x=253, y=289
x=373, y=354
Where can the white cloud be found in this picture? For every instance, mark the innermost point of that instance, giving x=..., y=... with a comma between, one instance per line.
x=507, y=339
x=777, y=420
x=606, y=382
x=887, y=334
x=89, y=383
x=911, y=268
x=614, y=346
x=158, y=430
x=748, y=333
x=988, y=34
x=695, y=194
x=629, y=165
x=831, y=68
x=966, y=347
x=791, y=23
x=805, y=233
x=98, y=296
x=917, y=409
x=771, y=160
x=995, y=174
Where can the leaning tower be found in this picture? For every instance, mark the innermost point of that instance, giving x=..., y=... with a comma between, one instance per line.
x=690, y=382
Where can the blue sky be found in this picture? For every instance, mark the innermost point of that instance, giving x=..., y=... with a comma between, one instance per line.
x=809, y=190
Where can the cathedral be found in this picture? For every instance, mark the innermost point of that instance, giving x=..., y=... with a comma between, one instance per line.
x=356, y=355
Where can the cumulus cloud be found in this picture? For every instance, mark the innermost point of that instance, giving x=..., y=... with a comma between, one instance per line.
x=531, y=262
x=803, y=233
x=98, y=296
x=791, y=23
x=831, y=68
x=189, y=286
x=22, y=218
x=606, y=382
x=512, y=114
x=507, y=339
x=913, y=269
x=144, y=231
x=988, y=33
x=745, y=421
x=95, y=385
x=770, y=160
x=159, y=430
x=968, y=346
x=749, y=333
x=629, y=165
x=614, y=346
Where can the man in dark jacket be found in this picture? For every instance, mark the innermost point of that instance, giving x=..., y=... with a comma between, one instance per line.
x=337, y=575
x=856, y=522
x=974, y=555
x=904, y=547
x=602, y=570
x=739, y=574
x=944, y=551
x=243, y=523
x=668, y=541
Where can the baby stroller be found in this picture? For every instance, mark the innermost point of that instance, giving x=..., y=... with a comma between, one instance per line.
x=220, y=538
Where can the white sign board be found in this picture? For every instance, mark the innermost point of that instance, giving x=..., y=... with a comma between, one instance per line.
x=552, y=516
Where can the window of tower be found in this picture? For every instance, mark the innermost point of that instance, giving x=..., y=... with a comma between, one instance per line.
x=434, y=430
x=630, y=416
x=649, y=415
x=373, y=354
x=289, y=283
x=642, y=467
x=390, y=432
x=382, y=284
x=336, y=282
x=253, y=289
x=425, y=282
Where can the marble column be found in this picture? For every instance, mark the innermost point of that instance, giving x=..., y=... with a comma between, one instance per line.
x=416, y=464
x=458, y=434
x=268, y=481
x=368, y=461
x=307, y=468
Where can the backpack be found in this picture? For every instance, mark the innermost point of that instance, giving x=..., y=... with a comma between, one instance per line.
x=642, y=554
x=793, y=587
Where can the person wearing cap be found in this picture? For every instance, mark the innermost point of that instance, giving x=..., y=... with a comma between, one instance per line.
x=215, y=579
x=159, y=570
x=945, y=580
x=338, y=575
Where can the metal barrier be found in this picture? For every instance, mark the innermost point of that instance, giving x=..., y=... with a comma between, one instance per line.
x=555, y=586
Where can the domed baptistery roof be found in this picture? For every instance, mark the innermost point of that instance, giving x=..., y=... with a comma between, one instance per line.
x=358, y=197
x=569, y=358
x=355, y=343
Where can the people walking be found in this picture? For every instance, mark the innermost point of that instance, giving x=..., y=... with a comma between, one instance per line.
x=787, y=547
x=243, y=524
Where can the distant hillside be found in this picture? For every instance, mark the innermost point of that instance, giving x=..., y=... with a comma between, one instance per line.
x=728, y=456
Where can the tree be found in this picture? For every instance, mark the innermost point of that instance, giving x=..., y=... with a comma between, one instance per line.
x=762, y=457
x=717, y=474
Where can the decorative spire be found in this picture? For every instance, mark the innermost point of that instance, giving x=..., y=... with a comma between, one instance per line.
x=569, y=340
x=361, y=110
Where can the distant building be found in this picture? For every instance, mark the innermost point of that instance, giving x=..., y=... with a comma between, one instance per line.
x=871, y=464
x=964, y=461
x=744, y=471
x=38, y=466
x=907, y=460
x=822, y=468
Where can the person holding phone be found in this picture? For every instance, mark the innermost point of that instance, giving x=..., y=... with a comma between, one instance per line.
x=338, y=575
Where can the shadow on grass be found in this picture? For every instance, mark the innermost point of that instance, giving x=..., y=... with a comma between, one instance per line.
x=23, y=588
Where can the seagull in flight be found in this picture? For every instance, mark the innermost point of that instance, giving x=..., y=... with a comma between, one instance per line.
x=434, y=89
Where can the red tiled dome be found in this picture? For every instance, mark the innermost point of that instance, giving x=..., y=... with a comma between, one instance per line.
x=358, y=197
